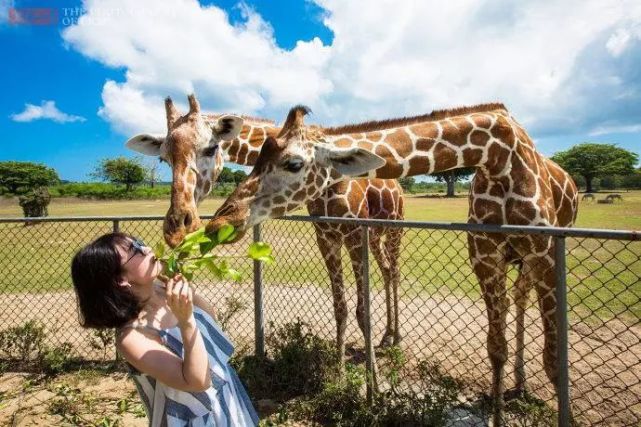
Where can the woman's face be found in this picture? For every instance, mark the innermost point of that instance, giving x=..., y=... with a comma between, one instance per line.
x=138, y=262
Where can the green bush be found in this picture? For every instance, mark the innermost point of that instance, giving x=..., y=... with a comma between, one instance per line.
x=102, y=339
x=24, y=342
x=106, y=191
x=55, y=360
x=427, y=403
x=279, y=375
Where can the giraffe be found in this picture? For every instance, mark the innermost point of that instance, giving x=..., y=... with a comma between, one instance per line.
x=513, y=184
x=240, y=143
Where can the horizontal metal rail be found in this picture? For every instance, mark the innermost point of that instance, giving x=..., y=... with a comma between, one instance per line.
x=432, y=225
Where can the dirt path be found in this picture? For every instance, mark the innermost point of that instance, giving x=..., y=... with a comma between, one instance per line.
x=605, y=361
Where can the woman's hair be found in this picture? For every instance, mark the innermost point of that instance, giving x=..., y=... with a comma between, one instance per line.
x=96, y=271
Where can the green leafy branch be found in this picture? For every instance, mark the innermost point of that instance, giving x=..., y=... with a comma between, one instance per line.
x=194, y=253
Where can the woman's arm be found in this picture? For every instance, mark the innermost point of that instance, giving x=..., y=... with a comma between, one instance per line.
x=149, y=356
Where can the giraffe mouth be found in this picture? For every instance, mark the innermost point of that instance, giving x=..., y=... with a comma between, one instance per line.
x=177, y=226
x=229, y=214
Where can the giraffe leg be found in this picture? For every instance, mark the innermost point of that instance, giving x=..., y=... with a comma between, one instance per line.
x=521, y=292
x=354, y=246
x=380, y=254
x=542, y=276
x=393, y=249
x=330, y=248
x=488, y=261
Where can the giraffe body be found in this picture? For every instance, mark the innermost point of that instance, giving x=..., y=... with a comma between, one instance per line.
x=514, y=184
x=196, y=166
x=373, y=199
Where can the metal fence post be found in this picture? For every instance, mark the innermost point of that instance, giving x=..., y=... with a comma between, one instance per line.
x=116, y=227
x=563, y=386
x=370, y=361
x=259, y=322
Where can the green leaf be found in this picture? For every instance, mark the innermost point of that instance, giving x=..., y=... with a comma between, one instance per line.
x=207, y=246
x=226, y=233
x=188, y=275
x=211, y=266
x=233, y=275
x=159, y=250
x=194, y=236
x=189, y=267
x=193, y=239
x=260, y=251
x=171, y=266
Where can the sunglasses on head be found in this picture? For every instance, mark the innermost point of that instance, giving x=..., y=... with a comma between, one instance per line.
x=138, y=247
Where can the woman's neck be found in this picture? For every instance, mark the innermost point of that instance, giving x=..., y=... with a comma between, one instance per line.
x=155, y=309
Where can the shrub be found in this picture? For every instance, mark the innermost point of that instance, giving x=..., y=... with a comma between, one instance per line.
x=24, y=342
x=107, y=191
x=56, y=359
x=233, y=306
x=102, y=339
x=278, y=375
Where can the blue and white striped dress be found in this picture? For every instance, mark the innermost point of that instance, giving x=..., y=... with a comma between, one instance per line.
x=225, y=403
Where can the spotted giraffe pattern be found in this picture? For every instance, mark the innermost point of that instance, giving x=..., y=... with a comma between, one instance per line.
x=196, y=167
x=514, y=184
x=375, y=198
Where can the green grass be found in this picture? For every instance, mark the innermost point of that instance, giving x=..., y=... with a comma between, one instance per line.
x=604, y=276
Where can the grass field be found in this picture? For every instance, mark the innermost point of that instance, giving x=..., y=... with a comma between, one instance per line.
x=604, y=276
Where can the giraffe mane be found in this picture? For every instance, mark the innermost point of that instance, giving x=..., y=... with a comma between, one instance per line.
x=245, y=117
x=402, y=121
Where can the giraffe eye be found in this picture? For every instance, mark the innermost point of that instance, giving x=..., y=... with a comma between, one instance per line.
x=210, y=151
x=293, y=165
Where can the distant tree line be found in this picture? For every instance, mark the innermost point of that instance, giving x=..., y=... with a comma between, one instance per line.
x=593, y=166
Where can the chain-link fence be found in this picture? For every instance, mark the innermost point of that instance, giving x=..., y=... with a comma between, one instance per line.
x=443, y=297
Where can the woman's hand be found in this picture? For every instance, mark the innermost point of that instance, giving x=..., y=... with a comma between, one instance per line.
x=180, y=299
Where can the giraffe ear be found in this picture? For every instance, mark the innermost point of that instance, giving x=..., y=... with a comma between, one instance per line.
x=352, y=162
x=228, y=127
x=146, y=144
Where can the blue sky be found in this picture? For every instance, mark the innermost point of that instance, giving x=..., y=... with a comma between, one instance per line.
x=102, y=80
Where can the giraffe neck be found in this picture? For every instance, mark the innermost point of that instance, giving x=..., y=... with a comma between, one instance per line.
x=483, y=139
x=244, y=149
x=209, y=168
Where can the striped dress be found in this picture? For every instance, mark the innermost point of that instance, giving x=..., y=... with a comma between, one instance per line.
x=225, y=403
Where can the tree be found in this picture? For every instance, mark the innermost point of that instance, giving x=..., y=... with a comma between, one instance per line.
x=21, y=177
x=239, y=176
x=632, y=181
x=591, y=160
x=226, y=175
x=120, y=170
x=151, y=172
x=34, y=203
x=407, y=183
x=451, y=177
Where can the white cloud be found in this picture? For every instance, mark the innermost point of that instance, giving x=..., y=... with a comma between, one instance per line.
x=46, y=110
x=177, y=46
x=560, y=66
x=605, y=130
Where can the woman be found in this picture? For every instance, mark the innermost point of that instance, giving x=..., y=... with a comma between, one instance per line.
x=178, y=355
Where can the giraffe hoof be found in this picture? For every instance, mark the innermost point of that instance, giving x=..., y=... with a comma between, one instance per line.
x=386, y=341
x=514, y=393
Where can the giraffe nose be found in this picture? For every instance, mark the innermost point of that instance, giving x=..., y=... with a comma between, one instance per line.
x=187, y=220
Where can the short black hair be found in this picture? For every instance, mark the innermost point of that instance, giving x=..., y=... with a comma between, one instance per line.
x=96, y=271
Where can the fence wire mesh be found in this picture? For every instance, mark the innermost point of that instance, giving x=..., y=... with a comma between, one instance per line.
x=443, y=319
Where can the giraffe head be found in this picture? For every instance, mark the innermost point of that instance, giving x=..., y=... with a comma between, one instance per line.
x=292, y=169
x=191, y=150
